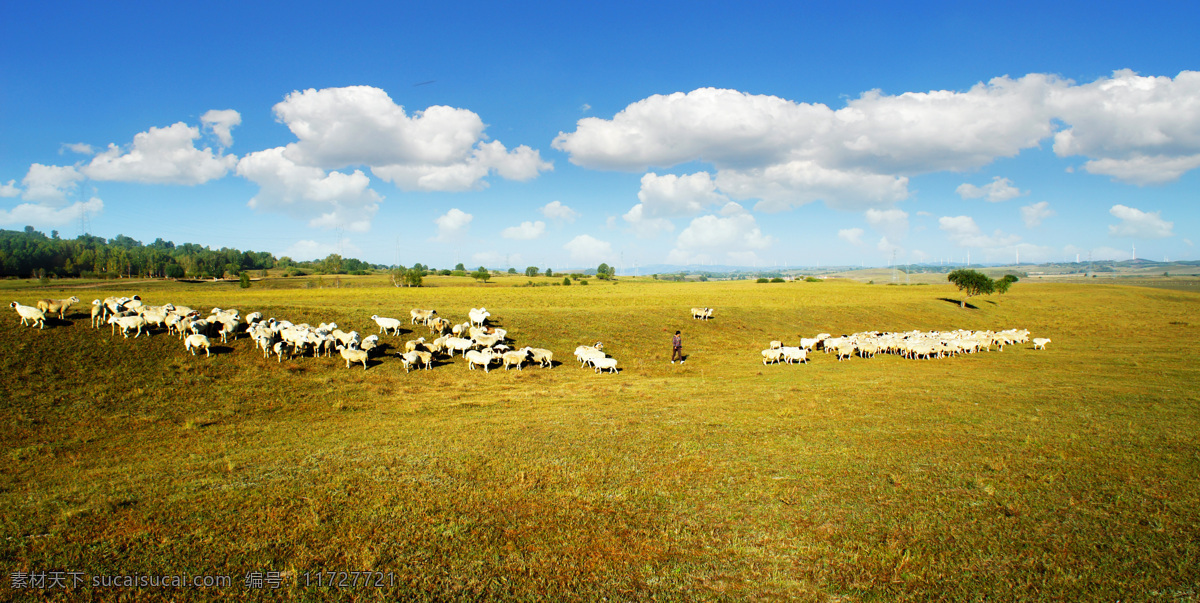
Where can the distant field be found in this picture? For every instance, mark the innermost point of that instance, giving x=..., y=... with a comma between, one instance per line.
x=1070, y=474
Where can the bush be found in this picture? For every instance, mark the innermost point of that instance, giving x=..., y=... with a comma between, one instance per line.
x=582, y=282
x=777, y=280
x=566, y=280
x=763, y=279
x=813, y=279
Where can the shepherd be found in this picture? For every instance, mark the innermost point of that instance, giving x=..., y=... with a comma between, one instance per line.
x=677, y=348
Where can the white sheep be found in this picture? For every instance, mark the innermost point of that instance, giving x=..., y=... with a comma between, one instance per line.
x=479, y=358
x=98, y=309
x=197, y=341
x=515, y=357
x=128, y=322
x=458, y=344
x=478, y=316
x=353, y=356
x=30, y=313
x=1039, y=343
x=772, y=356
x=792, y=355
x=542, y=356
x=408, y=359
x=605, y=363
x=57, y=306
x=387, y=324
x=775, y=345
x=422, y=316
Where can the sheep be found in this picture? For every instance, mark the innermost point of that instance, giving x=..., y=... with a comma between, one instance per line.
x=279, y=349
x=792, y=355
x=353, y=356
x=772, y=356
x=98, y=309
x=422, y=316
x=439, y=325
x=408, y=359
x=478, y=316
x=30, y=313
x=128, y=322
x=480, y=358
x=197, y=341
x=845, y=349
x=426, y=359
x=605, y=363
x=1039, y=343
x=585, y=354
x=542, y=356
x=486, y=341
x=458, y=344
x=775, y=345
x=370, y=343
x=386, y=324
x=411, y=346
x=516, y=357
x=698, y=313
x=57, y=306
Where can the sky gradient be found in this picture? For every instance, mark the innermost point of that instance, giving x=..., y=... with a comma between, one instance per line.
x=635, y=134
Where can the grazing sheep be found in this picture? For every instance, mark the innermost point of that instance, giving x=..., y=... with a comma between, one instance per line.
x=792, y=355
x=129, y=322
x=57, y=306
x=605, y=363
x=515, y=357
x=411, y=346
x=772, y=356
x=698, y=313
x=478, y=316
x=98, y=309
x=1039, y=343
x=387, y=324
x=368, y=344
x=353, y=356
x=775, y=345
x=197, y=341
x=408, y=359
x=458, y=344
x=422, y=316
x=480, y=358
x=541, y=356
x=585, y=354
x=486, y=341
x=28, y=313
x=439, y=325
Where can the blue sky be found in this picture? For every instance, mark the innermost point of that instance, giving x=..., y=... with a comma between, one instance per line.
x=630, y=133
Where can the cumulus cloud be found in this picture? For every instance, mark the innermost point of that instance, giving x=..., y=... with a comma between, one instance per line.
x=338, y=200
x=10, y=189
x=525, y=231
x=50, y=184
x=786, y=153
x=39, y=214
x=438, y=149
x=161, y=156
x=1033, y=214
x=999, y=189
x=888, y=247
x=674, y=196
x=726, y=237
x=76, y=147
x=643, y=226
x=453, y=224
x=1139, y=224
x=892, y=223
x=588, y=250
x=964, y=232
x=312, y=250
x=555, y=210
x=851, y=235
x=220, y=122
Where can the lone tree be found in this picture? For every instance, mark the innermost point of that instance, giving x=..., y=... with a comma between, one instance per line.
x=483, y=274
x=971, y=283
x=605, y=272
x=532, y=271
x=1003, y=284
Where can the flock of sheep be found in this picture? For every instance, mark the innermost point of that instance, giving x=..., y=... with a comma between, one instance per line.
x=480, y=345
x=911, y=344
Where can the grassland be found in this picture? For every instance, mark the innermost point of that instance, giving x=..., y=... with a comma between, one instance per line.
x=1071, y=474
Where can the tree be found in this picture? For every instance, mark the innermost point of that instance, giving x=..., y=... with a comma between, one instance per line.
x=1003, y=284
x=971, y=283
x=512, y=270
x=459, y=266
x=549, y=272
x=483, y=274
x=532, y=271
x=566, y=280
x=604, y=272
x=244, y=280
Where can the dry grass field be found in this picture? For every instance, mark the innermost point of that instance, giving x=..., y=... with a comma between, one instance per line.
x=1070, y=474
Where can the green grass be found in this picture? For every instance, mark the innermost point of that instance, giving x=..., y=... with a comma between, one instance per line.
x=1069, y=474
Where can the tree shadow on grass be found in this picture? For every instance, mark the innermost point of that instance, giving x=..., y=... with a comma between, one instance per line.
x=958, y=302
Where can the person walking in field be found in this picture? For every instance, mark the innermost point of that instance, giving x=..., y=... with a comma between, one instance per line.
x=677, y=348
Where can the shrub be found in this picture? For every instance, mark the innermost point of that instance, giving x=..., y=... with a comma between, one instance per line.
x=566, y=280
x=763, y=279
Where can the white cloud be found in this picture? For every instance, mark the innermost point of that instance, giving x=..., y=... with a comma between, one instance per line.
x=645, y=227
x=220, y=122
x=964, y=232
x=50, y=184
x=76, y=147
x=161, y=156
x=453, y=224
x=555, y=210
x=312, y=250
x=674, y=196
x=526, y=231
x=37, y=214
x=851, y=235
x=1033, y=214
x=1139, y=224
x=710, y=237
x=588, y=250
x=999, y=189
x=438, y=149
x=892, y=222
x=1144, y=130
x=887, y=247
x=338, y=200
x=10, y=189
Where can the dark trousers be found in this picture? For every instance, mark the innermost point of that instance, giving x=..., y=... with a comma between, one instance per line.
x=676, y=354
